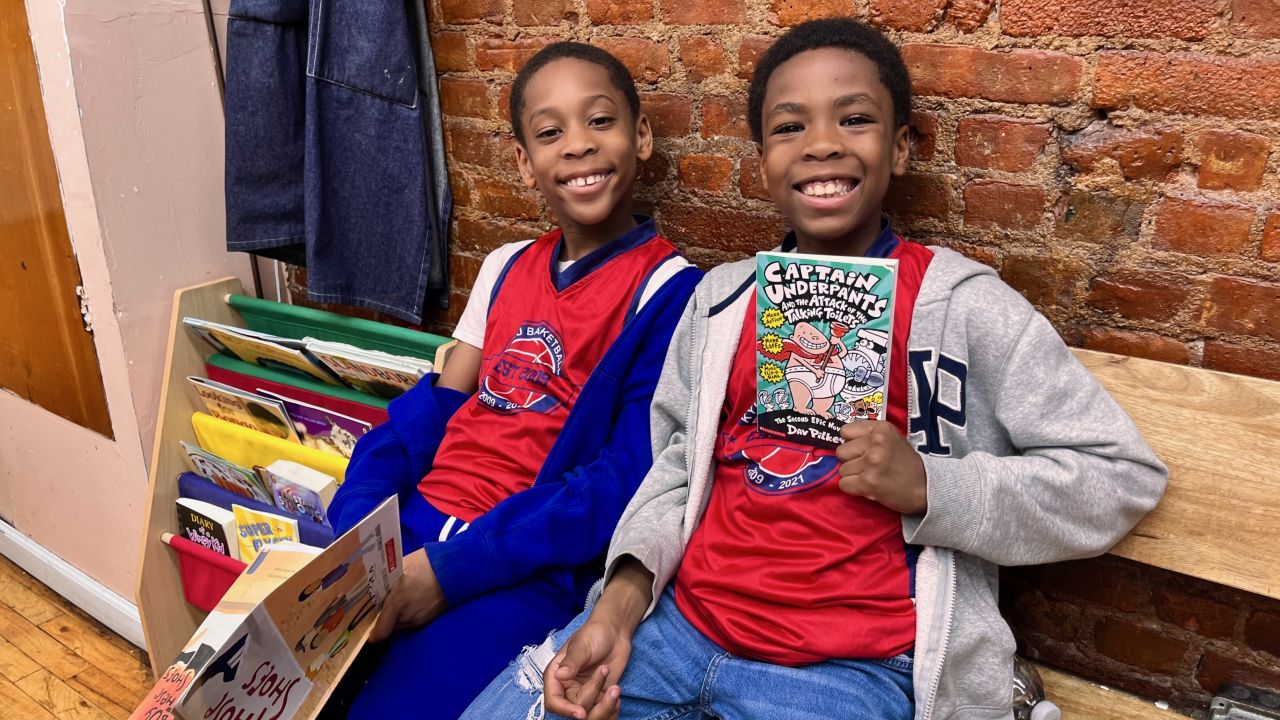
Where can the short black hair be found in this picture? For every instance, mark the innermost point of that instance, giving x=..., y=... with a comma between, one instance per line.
x=838, y=32
x=618, y=74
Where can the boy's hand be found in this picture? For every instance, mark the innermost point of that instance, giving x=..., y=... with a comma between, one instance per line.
x=415, y=600
x=879, y=464
x=581, y=681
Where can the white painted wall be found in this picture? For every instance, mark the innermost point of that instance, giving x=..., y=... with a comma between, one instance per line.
x=137, y=130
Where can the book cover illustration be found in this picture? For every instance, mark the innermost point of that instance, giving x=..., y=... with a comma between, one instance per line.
x=226, y=474
x=269, y=351
x=255, y=530
x=318, y=618
x=322, y=428
x=264, y=414
x=823, y=327
x=197, y=658
x=208, y=526
x=371, y=371
x=299, y=490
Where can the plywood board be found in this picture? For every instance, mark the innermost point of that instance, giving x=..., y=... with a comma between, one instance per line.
x=167, y=620
x=1082, y=700
x=1220, y=436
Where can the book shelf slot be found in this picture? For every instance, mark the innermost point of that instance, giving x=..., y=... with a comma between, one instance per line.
x=168, y=619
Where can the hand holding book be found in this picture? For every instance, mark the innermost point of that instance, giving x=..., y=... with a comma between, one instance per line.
x=877, y=463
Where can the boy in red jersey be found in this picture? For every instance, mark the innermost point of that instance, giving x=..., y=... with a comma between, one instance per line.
x=513, y=466
x=780, y=580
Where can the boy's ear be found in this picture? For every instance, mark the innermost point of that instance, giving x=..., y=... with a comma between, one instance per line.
x=644, y=137
x=525, y=166
x=901, y=149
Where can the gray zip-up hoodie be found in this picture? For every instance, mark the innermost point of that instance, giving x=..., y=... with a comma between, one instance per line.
x=1028, y=460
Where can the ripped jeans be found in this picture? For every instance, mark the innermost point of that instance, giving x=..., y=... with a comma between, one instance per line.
x=676, y=672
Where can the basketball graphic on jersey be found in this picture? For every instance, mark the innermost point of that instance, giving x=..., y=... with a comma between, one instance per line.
x=522, y=375
x=780, y=468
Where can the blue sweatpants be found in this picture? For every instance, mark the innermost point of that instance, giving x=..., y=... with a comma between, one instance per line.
x=434, y=672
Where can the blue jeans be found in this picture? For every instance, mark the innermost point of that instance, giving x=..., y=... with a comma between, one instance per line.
x=676, y=672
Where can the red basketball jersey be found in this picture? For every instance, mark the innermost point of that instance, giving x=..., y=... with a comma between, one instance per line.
x=545, y=333
x=785, y=567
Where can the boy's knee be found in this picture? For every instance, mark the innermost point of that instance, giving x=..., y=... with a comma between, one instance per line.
x=531, y=664
x=518, y=694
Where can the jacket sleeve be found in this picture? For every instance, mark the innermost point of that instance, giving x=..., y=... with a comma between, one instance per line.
x=1079, y=479
x=652, y=526
x=567, y=521
x=394, y=456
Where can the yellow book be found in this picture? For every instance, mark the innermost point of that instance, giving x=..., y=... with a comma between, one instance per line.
x=256, y=530
x=247, y=447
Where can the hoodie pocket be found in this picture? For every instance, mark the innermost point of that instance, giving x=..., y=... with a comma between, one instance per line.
x=365, y=46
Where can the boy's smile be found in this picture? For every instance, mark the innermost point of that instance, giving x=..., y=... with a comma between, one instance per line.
x=581, y=148
x=829, y=148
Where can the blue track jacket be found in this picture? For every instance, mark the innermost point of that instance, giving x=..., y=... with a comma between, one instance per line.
x=562, y=524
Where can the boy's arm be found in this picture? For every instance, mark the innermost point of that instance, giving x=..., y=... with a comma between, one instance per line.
x=1082, y=478
x=462, y=372
x=566, y=522
x=396, y=454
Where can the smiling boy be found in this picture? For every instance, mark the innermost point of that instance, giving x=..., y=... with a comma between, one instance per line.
x=870, y=594
x=513, y=466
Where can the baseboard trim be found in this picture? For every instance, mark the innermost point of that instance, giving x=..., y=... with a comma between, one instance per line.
x=96, y=599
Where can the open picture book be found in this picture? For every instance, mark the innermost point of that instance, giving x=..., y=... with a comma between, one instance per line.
x=287, y=630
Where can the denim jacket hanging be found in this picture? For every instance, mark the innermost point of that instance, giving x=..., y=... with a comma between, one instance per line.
x=335, y=152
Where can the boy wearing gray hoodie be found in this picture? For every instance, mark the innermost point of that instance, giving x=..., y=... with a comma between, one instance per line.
x=778, y=580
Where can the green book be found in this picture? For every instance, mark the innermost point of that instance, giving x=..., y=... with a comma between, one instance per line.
x=824, y=329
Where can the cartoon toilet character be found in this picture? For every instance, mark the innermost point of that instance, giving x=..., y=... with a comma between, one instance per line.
x=766, y=401
x=814, y=373
x=864, y=364
x=783, y=399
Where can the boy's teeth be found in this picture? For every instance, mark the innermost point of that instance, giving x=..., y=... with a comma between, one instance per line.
x=585, y=181
x=826, y=188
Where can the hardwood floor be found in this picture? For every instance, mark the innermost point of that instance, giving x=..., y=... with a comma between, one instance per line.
x=57, y=662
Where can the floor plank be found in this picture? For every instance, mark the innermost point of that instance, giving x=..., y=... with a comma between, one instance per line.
x=29, y=604
x=105, y=686
x=117, y=712
x=15, y=664
x=17, y=705
x=59, y=698
x=102, y=649
x=39, y=645
x=57, y=662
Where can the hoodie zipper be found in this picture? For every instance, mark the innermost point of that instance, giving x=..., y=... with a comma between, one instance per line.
x=946, y=638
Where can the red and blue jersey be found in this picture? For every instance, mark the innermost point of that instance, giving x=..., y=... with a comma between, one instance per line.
x=546, y=331
x=785, y=567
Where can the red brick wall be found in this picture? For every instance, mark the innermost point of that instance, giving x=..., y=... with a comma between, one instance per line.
x=1115, y=160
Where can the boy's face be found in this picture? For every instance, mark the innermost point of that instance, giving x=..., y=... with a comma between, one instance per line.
x=829, y=148
x=580, y=146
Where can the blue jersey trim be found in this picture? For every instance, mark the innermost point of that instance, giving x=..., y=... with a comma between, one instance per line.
x=502, y=276
x=644, y=284
x=644, y=231
x=720, y=306
x=882, y=247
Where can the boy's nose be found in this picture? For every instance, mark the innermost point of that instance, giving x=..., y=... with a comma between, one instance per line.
x=578, y=143
x=823, y=142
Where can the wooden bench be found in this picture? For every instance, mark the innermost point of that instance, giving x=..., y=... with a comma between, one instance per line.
x=1220, y=518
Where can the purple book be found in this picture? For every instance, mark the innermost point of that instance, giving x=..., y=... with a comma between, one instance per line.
x=322, y=428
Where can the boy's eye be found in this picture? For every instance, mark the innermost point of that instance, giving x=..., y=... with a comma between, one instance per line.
x=787, y=128
x=856, y=120
x=548, y=133
x=601, y=121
